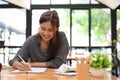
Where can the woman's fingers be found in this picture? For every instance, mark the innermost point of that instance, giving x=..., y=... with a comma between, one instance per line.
x=21, y=65
x=25, y=65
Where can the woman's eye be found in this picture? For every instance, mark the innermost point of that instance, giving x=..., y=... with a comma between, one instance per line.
x=50, y=30
x=43, y=28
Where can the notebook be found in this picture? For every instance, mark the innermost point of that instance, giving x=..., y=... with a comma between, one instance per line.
x=33, y=70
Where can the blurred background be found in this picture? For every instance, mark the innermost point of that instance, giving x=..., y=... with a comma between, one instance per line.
x=90, y=25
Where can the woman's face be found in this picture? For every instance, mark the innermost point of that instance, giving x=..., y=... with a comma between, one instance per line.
x=47, y=31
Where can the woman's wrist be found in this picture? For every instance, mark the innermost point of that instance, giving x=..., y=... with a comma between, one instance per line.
x=15, y=64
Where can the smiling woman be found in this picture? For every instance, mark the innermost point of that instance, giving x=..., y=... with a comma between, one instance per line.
x=47, y=48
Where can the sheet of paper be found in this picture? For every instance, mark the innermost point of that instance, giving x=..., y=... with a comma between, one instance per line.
x=33, y=70
x=66, y=73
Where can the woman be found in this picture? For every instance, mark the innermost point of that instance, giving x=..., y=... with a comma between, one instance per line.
x=48, y=48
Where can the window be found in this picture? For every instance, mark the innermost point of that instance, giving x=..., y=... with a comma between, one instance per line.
x=80, y=27
x=118, y=32
x=101, y=28
x=14, y=21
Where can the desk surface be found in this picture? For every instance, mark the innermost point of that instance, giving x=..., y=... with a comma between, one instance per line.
x=7, y=74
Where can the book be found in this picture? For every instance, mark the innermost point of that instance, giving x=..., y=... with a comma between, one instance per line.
x=33, y=70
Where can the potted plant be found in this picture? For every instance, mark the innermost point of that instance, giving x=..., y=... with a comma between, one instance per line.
x=98, y=63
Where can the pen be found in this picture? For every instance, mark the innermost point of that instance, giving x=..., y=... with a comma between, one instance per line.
x=21, y=58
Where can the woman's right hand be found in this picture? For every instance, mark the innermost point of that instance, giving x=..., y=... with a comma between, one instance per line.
x=21, y=65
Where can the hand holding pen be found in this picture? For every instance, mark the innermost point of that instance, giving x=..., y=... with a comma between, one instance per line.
x=23, y=65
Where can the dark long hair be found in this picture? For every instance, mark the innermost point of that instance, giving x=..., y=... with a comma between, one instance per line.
x=51, y=16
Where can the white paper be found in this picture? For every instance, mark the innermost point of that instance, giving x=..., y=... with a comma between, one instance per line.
x=33, y=70
x=65, y=70
x=66, y=73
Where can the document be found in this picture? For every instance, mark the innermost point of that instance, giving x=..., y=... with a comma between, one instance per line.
x=33, y=70
x=66, y=73
x=65, y=70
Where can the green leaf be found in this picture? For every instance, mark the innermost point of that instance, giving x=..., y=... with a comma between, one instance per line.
x=99, y=60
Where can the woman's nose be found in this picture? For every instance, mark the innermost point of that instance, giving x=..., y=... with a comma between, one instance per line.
x=46, y=32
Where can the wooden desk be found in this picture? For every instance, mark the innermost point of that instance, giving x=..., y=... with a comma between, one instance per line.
x=7, y=74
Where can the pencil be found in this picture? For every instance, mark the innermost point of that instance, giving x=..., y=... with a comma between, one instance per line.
x=21, y=58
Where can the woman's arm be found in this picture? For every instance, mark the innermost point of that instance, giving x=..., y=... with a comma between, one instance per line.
x=38, y=64
x=21, y=65
x=23, y=52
